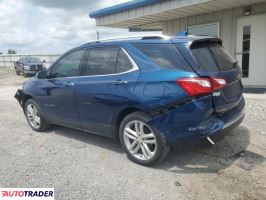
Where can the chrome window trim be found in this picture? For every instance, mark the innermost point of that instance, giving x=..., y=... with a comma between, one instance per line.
x=134, y=65
x=134, y=68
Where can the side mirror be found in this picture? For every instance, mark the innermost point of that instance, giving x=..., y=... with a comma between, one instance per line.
x=42, y=74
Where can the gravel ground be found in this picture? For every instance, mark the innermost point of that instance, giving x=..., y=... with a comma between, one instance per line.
x=85, y=166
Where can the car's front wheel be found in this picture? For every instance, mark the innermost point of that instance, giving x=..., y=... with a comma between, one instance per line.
x=34, y=117
x=142, y=144
x=17, y=71
x=24, y=73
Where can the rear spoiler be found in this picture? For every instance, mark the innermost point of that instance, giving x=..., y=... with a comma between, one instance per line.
x=203, y=40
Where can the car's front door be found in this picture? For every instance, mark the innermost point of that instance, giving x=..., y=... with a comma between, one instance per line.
x=58, y=91
x=104, y=87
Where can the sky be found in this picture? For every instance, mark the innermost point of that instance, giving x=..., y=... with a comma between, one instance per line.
x=51, y=26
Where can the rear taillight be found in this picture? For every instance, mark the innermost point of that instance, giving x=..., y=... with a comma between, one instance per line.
x=217, y=83
x=201, y=85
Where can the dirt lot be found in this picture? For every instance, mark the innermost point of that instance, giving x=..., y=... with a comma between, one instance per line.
x=84, y=166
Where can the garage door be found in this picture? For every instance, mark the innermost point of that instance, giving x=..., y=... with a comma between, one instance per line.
x=251, y=49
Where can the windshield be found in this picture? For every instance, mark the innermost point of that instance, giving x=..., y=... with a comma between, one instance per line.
x=212, y=57
x=30, y=60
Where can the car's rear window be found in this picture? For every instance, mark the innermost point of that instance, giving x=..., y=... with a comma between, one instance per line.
x=164, y=55
x=211, y=56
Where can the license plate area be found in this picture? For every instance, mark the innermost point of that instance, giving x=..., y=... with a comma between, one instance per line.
x=228, y=97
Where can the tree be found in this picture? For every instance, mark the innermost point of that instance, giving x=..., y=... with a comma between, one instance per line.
x=11, y=51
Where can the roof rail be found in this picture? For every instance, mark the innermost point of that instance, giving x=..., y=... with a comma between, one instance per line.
x=140, y=37
x=155, y=37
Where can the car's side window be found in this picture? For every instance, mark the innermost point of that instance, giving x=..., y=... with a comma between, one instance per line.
x=101, y=60
x=123, y=62
x=67, y=66
x=164, y=55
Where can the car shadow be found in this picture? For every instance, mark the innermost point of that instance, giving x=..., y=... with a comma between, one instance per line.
x=204, y=158
x=198, y=157
x=85, y=137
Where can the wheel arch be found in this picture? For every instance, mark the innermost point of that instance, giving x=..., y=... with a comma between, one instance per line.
x=25, y=98
x=121, y=115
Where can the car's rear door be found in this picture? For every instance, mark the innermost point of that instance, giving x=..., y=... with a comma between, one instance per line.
x=104, y=87
x=210, y=59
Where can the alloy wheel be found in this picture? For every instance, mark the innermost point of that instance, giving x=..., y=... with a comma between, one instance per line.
x=140, y=140
x=33, y=116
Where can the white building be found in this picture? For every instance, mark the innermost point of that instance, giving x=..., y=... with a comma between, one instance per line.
x=240, y=23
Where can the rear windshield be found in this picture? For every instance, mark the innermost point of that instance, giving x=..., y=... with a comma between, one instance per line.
x=212, y=56
x=164, y=55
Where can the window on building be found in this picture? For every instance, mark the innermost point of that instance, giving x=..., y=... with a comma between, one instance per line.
x=204, y=30
x=245, y=51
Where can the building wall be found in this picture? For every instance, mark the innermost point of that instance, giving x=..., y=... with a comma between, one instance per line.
x=227, y=19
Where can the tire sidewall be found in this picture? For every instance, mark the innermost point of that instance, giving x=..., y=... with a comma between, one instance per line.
x=17, y=71
x=42, y=119
x=159, y=139
x=25, y=74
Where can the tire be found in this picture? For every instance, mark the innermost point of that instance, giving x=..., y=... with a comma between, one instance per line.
x=33, y=114
x=136, y=141
x=17, y=71
x=25, y=74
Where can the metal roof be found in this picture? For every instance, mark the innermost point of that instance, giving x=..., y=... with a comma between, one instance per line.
x=149, y=14
x=121, y=7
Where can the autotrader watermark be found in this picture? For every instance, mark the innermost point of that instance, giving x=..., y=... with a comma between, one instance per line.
x=27, y=193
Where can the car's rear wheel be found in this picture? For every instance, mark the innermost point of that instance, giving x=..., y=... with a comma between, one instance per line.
x=34, y=117
x=142, y=144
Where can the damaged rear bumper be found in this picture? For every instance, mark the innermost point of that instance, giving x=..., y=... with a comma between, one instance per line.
x=196, y=120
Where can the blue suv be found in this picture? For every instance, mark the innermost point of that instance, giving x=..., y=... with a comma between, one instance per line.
x=149, y=92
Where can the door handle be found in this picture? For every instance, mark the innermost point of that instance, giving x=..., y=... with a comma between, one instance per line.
x=120, y=82
x=69, y=84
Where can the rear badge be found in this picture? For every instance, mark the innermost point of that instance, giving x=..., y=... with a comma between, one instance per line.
x=216, y=94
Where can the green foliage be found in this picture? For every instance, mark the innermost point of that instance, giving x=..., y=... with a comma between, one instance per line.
x=11, y=51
